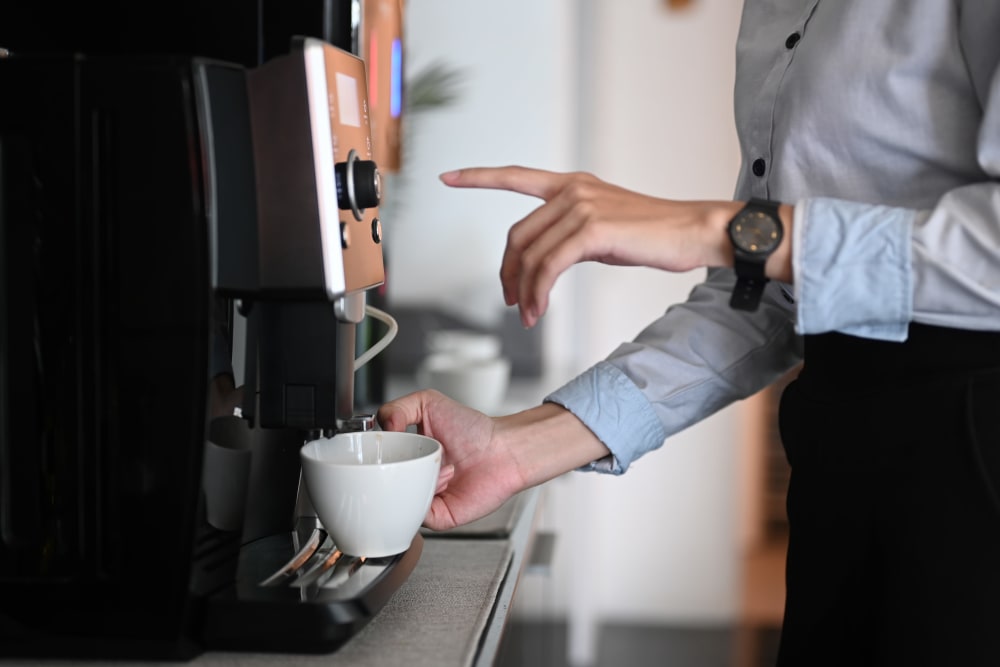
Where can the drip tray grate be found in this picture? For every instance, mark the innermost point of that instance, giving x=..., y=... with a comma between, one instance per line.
x=297, y=593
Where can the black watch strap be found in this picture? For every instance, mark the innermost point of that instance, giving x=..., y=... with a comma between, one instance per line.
x=749, y=288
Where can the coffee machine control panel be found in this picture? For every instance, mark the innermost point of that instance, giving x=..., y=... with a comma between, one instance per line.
x=318, y=187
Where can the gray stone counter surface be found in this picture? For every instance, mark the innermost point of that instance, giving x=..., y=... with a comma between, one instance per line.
x=451, y=611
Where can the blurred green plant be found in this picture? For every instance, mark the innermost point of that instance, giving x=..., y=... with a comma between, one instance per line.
x=436, y=85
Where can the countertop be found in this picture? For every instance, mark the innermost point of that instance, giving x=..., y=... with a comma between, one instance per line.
x=451, y=611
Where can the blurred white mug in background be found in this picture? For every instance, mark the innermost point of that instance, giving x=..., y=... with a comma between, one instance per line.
x=466, y=366
x=463, y=343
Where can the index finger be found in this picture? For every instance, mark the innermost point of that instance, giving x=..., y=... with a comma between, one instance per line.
x=524, y=180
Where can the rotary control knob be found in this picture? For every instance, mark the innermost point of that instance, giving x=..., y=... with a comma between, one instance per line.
x=359, y=185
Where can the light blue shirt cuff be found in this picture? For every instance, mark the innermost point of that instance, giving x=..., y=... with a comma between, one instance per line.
x=852, y=268
x=611, y=406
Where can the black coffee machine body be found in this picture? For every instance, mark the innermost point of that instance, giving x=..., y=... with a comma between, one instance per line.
x=142, y=183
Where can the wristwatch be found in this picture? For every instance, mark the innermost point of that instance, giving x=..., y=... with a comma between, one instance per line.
x=755, y=233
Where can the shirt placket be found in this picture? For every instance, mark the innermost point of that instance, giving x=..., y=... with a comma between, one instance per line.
x=761, y=124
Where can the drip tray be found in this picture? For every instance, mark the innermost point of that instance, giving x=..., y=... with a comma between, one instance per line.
x=296, y=593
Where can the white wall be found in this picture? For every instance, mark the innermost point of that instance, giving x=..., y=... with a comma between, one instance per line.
x=515, y=105
x=641, y=96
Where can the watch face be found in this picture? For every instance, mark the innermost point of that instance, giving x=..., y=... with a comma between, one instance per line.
x=755, y=232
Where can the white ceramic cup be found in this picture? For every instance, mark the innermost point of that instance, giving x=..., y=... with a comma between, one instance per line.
x=478, y=383
x=371, y=490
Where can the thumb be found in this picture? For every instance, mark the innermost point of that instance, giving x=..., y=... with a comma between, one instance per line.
x=392, y=418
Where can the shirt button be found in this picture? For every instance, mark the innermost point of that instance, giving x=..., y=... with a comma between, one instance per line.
x=792, y=40
x=759, y=167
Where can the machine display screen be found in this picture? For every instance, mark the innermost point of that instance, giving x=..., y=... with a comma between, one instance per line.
x=349, y=105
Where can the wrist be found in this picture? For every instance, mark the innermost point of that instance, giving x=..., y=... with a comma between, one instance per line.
x=717, y=216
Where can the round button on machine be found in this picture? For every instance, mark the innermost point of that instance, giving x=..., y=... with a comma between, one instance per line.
x=359, y=185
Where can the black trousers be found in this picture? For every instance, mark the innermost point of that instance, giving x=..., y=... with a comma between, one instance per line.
x=894, y=502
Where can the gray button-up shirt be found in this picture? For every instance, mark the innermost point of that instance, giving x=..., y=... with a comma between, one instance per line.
x=880, y=121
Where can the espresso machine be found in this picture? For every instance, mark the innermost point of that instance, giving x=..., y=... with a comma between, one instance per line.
x=221, y=154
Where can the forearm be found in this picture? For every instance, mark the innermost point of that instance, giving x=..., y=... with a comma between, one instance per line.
x=550, y=440
x=547, y=441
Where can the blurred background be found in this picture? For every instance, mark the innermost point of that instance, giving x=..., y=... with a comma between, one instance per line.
x=683, y=553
